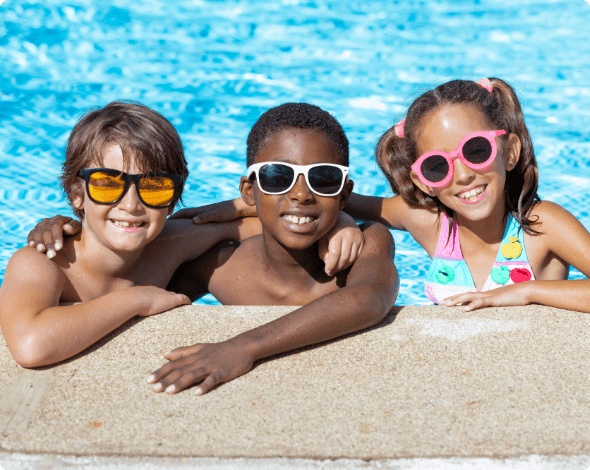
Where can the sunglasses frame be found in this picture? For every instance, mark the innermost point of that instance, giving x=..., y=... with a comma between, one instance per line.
x=86, y=173
x=298, y=170
x=490, y=136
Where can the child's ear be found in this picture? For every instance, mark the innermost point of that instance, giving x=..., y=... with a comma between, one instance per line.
x=420, y=184
x=512, y=148
x=78, y=202
x=345, y=193
x=247, y=191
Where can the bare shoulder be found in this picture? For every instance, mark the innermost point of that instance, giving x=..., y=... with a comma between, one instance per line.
x=30, y=277
x=551, y=218
x=27, y=262
x=378, y=239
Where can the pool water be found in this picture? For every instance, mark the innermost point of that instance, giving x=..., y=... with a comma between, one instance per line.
x=212, y=67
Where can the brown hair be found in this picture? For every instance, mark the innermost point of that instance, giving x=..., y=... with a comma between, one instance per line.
x=396, y=155
x=143, y=135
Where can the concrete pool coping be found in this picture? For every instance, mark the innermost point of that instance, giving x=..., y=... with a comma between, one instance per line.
x=427, y=383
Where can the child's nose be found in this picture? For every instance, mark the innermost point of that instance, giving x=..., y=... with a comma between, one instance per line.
x=130, y=201
x=463, y=174
x=300, y=192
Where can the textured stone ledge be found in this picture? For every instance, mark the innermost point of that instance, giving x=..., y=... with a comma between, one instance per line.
x=427, y=382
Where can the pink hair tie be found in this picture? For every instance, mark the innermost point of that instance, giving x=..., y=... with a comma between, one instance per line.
x=485, y=83
x=399, y=128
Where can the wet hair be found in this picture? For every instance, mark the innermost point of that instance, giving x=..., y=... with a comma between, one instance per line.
x=296, y=116
x=145, y=137
x=501, y=107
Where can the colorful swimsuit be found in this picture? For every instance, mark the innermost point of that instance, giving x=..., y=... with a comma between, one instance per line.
x=449, y=275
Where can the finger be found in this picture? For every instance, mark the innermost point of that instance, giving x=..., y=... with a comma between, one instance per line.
x=475, y=304
x=184, y=214
x=208, y=384
x=345, y=257
x=72, y=227
x=331, y=260
x=48, y=242
x=187, y=379
x=57, y=235
x=182, y=352
x=38, y=241
x=164, y=383
x=170, y=368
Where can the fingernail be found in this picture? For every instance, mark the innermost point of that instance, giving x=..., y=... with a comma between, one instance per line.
x=31, y=243
x=57, y=245
x=158, y=387
x=50, y=253
x=151, y=378
x=171, y=389
x=198, y=391
x=40, y=247
x=196, y=219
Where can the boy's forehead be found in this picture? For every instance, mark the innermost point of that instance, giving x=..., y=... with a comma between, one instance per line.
x=300, y=147
x=126, y=160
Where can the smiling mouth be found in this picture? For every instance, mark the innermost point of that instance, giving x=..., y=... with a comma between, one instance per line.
x=472, y=194
x=125, y=224
x=293, y=219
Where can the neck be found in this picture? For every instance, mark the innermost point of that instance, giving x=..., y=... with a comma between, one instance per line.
x=102, y=261
x=490, y=230
x=291, y=263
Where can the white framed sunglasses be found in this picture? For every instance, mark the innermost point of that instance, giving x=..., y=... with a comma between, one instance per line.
x=324, y=179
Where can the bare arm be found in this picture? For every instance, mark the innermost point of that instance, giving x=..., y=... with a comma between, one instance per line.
x=38, y=331
x=563, y=237
x=370, y=293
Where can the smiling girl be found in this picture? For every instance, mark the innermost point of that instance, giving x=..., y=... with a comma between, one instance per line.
x=463, y=166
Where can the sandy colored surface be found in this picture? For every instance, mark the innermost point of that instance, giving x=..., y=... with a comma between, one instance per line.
x=427, y=382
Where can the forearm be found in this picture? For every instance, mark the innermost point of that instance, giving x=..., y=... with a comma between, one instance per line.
x=569, y=295
x=60, y=332
x=329, y=317
x=365, y=208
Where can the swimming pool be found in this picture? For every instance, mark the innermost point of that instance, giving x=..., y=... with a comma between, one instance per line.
x=212, y=67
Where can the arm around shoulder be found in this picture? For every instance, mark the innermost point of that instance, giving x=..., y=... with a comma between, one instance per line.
x=39, y=331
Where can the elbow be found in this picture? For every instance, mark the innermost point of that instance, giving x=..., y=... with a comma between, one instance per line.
x=29, y=352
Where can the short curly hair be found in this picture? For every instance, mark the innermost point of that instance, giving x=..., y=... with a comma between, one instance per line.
x=296, y=116
x=143, y=135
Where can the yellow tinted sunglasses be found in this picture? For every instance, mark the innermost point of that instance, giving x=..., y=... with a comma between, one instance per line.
x=107, y=186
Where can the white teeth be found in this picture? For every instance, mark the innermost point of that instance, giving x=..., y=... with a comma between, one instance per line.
x=122, y=223
x=473, y=194
x=297, y=220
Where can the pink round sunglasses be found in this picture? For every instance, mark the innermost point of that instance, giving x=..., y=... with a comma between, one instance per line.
x=477, y=151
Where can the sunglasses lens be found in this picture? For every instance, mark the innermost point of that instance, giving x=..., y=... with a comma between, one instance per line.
x=435, y=168
x=105, y=187
x=325, y=179
x=477, y=150
x=156, y=190
x=275, y=178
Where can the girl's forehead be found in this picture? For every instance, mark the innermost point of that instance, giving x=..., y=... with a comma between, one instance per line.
x=443, y=128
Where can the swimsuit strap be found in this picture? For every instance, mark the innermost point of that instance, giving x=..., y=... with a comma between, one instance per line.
x=512, y=247
x=448, y=248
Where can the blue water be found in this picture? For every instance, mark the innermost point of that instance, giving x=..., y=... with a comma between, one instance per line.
x=212, y=67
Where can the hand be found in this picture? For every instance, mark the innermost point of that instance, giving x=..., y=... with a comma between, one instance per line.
x=47, y=235
x=512, y=295
x=342, y=245
x=212, y=364
x=225, y=211
x=158, y=300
